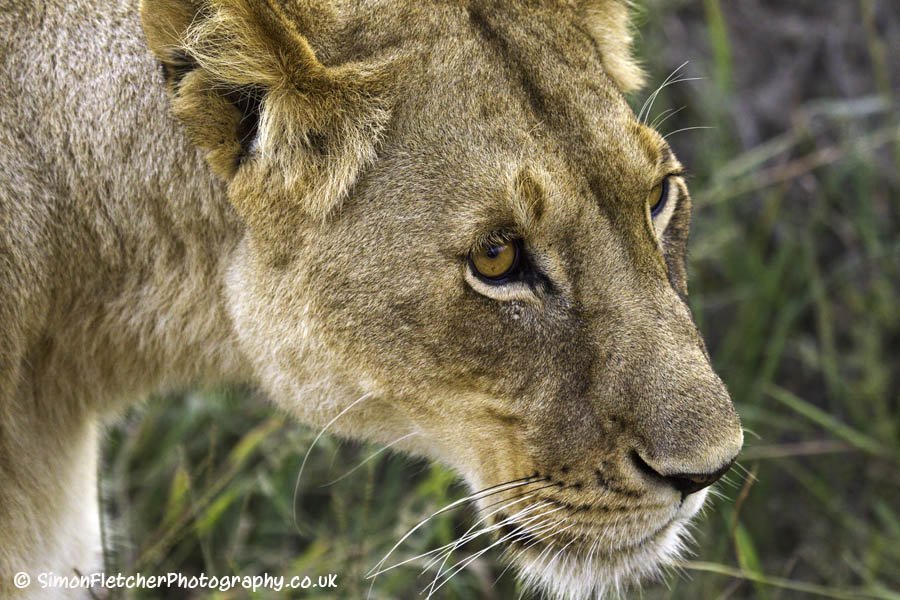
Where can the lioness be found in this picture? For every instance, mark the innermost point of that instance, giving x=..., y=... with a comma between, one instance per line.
x=440, y=218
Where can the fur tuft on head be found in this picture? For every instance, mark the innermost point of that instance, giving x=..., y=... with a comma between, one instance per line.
x=608, y=22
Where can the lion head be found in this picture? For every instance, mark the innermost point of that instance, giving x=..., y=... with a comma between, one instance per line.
x=452, y=212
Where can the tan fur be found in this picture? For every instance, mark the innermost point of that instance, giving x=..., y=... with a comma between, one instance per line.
x=285, y=192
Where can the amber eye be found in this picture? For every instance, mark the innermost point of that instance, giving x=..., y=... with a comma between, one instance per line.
x=658, y=197
x=496, y=262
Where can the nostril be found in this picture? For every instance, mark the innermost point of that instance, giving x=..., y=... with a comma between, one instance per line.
x=686, y=483
x=694, y=482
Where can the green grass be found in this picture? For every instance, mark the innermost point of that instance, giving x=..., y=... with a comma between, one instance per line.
x=795, y=280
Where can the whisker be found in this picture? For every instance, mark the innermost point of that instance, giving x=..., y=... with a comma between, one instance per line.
x=749, y=431
x=543, y=487
x=449, y=544
x=540, y=557
x=648, y=103
x=748, y=474
x=715, y=493
x=537, y=540
x=465, y=562
x=686, y=129
x=521, y=532
x=486, y=492
x=371, y=456
x=365, y=396
x=561, y=550
x=595, y=547
x=376, y=570
x=655, y=95
x=672, y=79
x=726, y=480
x=469, y=536
x=449, y=553
x=665, y=116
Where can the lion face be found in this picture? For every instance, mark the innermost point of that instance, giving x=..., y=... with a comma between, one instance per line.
x=452, y=213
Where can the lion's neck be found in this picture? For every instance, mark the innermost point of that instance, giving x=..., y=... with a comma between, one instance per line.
x=120, y=242
x=138, y=234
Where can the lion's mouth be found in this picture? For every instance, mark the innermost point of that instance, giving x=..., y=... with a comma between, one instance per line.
x=580, y=539
x=581, y=563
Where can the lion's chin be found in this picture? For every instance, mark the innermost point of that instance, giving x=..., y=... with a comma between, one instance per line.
x=584, y=574
x=578, y=568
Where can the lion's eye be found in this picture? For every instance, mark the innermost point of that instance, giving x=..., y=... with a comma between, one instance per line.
x=658, y=197
x=496, y=262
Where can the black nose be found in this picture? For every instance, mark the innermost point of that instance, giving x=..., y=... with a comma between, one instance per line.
x=686, y=483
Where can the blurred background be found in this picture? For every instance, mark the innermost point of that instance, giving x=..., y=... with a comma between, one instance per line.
x=786, y=115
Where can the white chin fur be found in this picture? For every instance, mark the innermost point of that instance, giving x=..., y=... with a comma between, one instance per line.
x=566, y=576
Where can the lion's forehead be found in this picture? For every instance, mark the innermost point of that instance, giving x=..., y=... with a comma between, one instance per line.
x=524, y=76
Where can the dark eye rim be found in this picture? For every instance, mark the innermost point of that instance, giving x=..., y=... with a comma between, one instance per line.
x=657, y=208
x=507, y=275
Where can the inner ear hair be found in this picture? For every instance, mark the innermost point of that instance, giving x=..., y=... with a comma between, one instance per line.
x=174, y=69
x=251, y=91
x=248, y=102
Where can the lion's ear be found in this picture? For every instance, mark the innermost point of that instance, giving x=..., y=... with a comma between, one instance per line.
x=252, y=93
x=609, y=23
